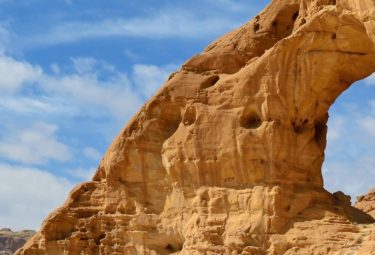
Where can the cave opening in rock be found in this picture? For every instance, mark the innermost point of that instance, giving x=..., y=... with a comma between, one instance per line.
x=349, y=164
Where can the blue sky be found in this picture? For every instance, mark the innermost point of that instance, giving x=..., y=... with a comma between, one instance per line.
x=73, y=72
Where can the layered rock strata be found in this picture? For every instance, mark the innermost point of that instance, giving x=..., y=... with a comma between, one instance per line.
x=226, y=158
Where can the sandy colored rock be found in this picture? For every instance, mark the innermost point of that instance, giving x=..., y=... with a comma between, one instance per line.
x=366, y=203
x=226, y=158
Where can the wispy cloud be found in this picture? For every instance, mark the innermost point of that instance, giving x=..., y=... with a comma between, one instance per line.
x=370, y=81
x=150, y=77
x=94, y=89
x=14, y=74
x=349, y=164
x=94, y=86
x=36, y=106
x=92, y=153
x=33, y=145
x=4, y=38
x=368, y=124
x=28, y=195
x=336, y=126
x=164, y=24
x=81, y=174
x=230, y=5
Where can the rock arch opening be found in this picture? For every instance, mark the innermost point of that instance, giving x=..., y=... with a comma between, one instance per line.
x=349, y=156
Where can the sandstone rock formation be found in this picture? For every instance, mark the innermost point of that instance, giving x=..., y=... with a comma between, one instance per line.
x=11, y=241
x=366, y=203
x=226, y=158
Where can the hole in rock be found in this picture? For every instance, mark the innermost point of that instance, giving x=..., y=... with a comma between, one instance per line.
x=100, y=237
x=250, y=120
x=300, y=126
x=256, y=27
x=189, y=116
x=320, y=131
x=332, y=2
x=295, y=16
x=169, y=248
x=349, y=164
x=209, y=82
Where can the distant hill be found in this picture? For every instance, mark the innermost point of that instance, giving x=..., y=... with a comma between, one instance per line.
x=10, y=241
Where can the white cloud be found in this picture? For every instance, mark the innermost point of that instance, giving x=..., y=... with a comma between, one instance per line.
x=349, y=164
x=163, y=24
x=368, y=124
x=91, y=65
x=92, y=153
x=28, y=195
x=370, y=81
x=15, y=73
x=149, y=78
x=55, y=68
x=90, y=93
x=354, y=176
x=34, y=145
x=94, y=89
x=335, y=128
x=32, y=106
x=230, y=5
x=82, y=174
x=4, y=38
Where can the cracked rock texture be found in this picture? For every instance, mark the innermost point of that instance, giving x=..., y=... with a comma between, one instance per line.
x=226, y=158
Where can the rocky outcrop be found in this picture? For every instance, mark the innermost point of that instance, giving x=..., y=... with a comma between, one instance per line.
x=11, y=241
x=366, y=203
x=226, y=158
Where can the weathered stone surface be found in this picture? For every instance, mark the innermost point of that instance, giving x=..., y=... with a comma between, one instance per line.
x=11, y=241
x=366, y=203
x=226, y=158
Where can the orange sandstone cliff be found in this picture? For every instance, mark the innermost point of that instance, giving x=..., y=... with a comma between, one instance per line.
x=226, y=158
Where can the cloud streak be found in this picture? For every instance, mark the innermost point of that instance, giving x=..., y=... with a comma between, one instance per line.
x=164, y=24
x=14, y=74
x=33, y=145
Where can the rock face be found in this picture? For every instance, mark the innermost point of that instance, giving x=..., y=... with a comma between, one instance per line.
x=11, y=241
x=226, y=158
x=366, y=203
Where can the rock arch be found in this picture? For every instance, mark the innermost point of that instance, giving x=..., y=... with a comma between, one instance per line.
x=226, y=158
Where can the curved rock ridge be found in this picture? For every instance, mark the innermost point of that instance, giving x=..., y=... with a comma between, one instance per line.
x=226, y=158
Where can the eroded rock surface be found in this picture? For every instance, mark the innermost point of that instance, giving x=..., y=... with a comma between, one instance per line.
x=226, y=158
x=11, y=241
x=366, y=203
